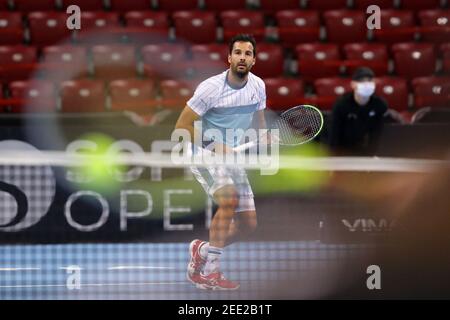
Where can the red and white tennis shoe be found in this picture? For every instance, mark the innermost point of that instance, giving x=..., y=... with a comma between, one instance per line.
x=196, y=263
x=216, y=281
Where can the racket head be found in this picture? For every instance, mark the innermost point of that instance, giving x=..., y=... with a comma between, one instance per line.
x=299, y=125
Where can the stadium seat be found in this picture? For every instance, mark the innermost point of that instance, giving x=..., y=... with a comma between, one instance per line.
x=130, y=5
x=363, y=4
x=133, y=95
x=435, y=25
x=323, y=5
x=11, y=30
x=218, y=6
x=372, y=55
x=48, y=28
x=70, y=62
x=175, y=93
x=210, y=59
x=283, y=93
x=298, y=26
x=431, y=91
x=445, y=52
x=419, y=4
x=318, y=60
x=4, y=5
x=147, y=26
x=29, y=6
x=170, y=5
x=195, y=26
x=397, y=26
x=329, y=89
x=97, y=27
x=16, y=62
x=414, y=59
x=164, y=61
x=394, y=90
x=344, y=26
x=270, y=6
x=85, y=5
x=37, y=96
x=83, y=96
x=269, y=61
x=114, y=61
x=242, y=21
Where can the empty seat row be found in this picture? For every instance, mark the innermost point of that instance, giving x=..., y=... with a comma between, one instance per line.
x=342, y=26
x=172, y=5
x=143, y=95
x=174, y=61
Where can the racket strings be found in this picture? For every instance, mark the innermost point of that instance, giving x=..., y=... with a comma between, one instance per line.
x=299, y=125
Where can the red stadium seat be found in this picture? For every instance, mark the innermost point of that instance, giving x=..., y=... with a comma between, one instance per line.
x=218, y=6
x=83, y=96
x=36, y=96
x=242, y=21
x=344, y=26
x=130, y=5
x=164, y=61
x=323, y=5
x=114, y=61
x=175, y=93
x=195, y=26
x=419, y=4
x=270, y=6
x=283, y=93
x=329, y=89
x=16, y=62
x=269, y=61
x=4, y=5
x=11, y=30
x=132, y=94
x=170, y=5
x=70, y=62
x=372, y=55
x=97, y=27
x=85, y=5
x=318, y=60
x=445, y=51
x=29, y=6
x=48, y=28
x=298, y=26
x=414, y=59
x=397, y=26
x=147, y=26
x=210, y=59
x=363, y=4
x=431, y=92
x=394, y=90
x=435, y=25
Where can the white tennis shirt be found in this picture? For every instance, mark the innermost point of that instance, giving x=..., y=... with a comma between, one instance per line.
x=223, y=107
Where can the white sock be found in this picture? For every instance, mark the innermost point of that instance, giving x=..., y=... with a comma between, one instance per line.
x=204, y=250
x=212, y=262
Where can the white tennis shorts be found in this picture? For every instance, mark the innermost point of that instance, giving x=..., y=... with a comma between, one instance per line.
x=215, y=177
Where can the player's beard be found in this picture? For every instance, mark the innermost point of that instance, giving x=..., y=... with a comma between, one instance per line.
x=241, y=74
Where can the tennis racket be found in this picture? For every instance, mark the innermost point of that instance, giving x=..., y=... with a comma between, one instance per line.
x=296, y=126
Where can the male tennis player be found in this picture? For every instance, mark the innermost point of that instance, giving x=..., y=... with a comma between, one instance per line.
x=225, y=101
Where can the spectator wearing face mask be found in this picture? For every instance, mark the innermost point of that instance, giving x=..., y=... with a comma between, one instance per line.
x=357, y=118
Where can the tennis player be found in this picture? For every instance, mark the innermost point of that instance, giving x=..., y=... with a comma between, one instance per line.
x=226, y=101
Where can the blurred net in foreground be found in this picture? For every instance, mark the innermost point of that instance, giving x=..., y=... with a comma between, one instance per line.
x=132, y=242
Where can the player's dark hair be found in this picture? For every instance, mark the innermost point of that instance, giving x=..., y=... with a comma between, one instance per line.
x=242, y=37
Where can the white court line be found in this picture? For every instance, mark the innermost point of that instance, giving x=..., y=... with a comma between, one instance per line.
x=95, y=285
x=138, y=268
x=19, y=269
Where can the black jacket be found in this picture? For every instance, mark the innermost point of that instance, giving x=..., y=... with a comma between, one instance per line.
x=356, y=128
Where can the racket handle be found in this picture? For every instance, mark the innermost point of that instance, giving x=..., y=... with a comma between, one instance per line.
x=245, y=146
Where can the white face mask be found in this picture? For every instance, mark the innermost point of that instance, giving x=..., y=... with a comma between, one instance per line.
x=365, y=89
